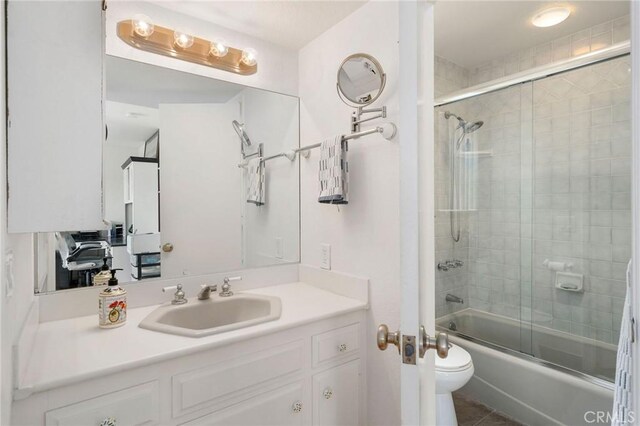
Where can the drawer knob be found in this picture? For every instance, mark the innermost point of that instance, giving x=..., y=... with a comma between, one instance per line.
x=328, y=393
x=342, y=347
x=109, y=421
x=297, y=406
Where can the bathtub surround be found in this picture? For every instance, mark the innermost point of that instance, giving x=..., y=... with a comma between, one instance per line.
x=576, y=142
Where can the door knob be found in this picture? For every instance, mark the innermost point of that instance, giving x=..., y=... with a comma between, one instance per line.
x=385, y=337
x=440, y=343
x=167, y=247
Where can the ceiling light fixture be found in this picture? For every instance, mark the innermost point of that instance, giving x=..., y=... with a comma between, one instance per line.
x=140, y=33
x=551, y=16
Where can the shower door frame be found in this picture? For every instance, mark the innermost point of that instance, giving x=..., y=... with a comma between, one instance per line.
x=631, y=47
x=635, y=189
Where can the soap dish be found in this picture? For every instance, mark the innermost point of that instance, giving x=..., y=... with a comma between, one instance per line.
x=568, y=281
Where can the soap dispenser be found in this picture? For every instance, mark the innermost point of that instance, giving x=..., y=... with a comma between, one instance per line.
x=102, y=277
x=112, y=304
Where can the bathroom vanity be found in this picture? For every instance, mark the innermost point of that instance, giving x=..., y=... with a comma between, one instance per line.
x=307, y=367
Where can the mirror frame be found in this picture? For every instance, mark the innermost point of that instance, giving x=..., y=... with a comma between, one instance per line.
x=383, y=83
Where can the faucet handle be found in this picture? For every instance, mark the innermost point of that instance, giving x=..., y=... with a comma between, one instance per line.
x=226, y=287
x=179, y=296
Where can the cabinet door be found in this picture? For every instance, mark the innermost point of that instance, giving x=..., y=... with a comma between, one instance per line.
x=280, y=407
x=55, y=124
x=336, y=396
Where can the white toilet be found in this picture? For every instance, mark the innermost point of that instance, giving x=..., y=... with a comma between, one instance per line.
x=452, y=373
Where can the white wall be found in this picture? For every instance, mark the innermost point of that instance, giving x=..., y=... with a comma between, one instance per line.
x=277, y=66
x=364, y=235
x=272, y=119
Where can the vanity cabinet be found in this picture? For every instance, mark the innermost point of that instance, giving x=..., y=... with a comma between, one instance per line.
x=55, y=123
x=312, y=374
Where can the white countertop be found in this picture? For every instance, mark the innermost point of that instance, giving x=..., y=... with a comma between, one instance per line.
x=76, y=349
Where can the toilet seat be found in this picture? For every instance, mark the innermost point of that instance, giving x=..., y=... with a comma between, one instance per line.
x=457, y=360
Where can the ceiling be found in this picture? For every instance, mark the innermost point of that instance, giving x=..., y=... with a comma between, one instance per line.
x=471, y=33
x=291, y=24
x=130, y=125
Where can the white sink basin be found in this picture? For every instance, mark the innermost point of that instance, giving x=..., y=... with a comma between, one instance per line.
x=199, y=318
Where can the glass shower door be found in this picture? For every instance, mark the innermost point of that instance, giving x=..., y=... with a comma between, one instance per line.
x=581, y=215
x=483, y=173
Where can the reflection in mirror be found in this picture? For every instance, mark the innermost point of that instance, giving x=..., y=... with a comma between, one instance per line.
x=360, y=79
x=185, y=191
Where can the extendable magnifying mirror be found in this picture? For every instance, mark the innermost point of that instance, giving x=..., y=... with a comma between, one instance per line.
x=361, y=80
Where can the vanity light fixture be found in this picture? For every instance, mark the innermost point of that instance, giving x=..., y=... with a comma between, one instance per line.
x=142, y=25
x=142, y=34
x=219, y=48
x=249, y=56
x=182, y=39
x=551, y=16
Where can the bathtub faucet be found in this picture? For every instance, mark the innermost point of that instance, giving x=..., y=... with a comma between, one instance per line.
x=454, y=299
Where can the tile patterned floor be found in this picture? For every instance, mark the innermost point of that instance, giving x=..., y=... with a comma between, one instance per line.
x=473, y=413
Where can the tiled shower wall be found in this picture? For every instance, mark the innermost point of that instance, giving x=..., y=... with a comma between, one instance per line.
x=582, y=196
x=449, y=77
x=565, y=198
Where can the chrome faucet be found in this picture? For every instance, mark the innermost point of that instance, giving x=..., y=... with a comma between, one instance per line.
x=205, y=291
x=454, y=299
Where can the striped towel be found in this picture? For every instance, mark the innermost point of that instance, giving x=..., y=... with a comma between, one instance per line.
x=255, y=181
x=334, y=172
x=623, y=397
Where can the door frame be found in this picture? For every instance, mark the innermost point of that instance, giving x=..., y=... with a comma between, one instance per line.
x=635, y=200
x=417, y=248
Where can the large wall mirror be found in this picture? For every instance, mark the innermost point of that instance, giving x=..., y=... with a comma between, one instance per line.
x=185, y=189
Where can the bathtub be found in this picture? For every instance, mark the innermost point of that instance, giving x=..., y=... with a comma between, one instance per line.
x=567, y=377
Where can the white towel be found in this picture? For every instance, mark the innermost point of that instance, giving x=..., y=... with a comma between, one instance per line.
x=334, y=171
x=623, y=398
x=255, y=181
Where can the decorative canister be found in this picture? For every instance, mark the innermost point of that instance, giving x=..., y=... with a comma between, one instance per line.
x=112, y=304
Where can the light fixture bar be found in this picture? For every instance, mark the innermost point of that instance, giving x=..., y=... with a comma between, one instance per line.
x=161, y=42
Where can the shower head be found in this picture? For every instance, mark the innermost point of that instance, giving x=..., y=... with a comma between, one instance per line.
x=239, y=128
x=472, y=127
x=466, y=127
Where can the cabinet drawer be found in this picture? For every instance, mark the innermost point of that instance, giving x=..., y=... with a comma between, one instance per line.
x=199, y=388
x=133, y=406
x=279, y=407
x=335, y=343
x=336, y=396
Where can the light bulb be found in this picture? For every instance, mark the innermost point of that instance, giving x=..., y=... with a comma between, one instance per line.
x=218, y=48
x=142, y=25
x=249, y=56
x=182, y=39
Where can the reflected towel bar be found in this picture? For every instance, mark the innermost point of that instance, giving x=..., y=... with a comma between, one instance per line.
x=388, y=131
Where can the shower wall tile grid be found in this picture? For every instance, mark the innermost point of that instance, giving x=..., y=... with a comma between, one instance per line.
x=588, y=40
x=568, y=200
x=582, y=196
x=449, y=77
